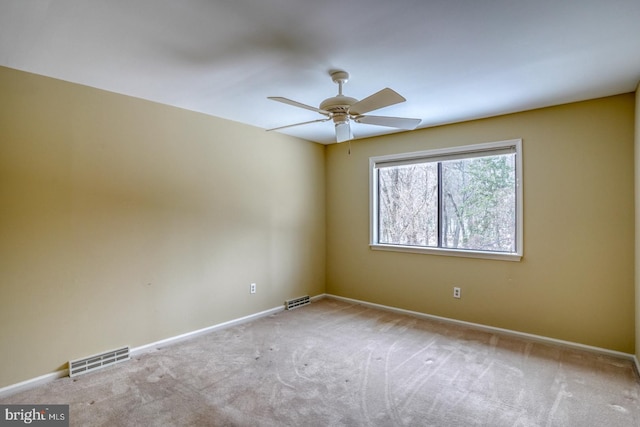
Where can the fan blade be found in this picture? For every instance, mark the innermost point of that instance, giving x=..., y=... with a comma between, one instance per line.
x=380, y=99
x=343, y=132
x=297, y=104
x=300, y=124
x=392, y=122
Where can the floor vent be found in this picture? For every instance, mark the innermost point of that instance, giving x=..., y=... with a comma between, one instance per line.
x=89, y=364
x=297, y=302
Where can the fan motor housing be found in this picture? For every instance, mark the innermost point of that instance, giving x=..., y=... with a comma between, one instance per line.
x=338, y=103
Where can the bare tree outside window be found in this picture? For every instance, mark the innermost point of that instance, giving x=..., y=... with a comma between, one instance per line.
x=409, y=205
x=449, y=202
x=479, y=203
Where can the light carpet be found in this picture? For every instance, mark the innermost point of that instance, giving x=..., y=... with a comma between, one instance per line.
x=334, y=363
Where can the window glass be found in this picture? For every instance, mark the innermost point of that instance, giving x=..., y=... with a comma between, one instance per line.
x=463, y=199
x=479, y=203
x=409, y=205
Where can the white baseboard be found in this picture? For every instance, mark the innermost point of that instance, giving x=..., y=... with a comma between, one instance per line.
x=43, y=379
x=192, y=334
x=538, y=338
x=31, y=383
x=318, y=297
x=154, y=345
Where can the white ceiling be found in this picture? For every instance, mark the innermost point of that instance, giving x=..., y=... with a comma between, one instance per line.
x=453, y=60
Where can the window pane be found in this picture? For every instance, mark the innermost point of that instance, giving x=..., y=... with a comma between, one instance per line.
x=479, y=203
x=408, y=205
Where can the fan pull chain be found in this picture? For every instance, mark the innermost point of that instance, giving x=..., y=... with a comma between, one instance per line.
x=349, y=147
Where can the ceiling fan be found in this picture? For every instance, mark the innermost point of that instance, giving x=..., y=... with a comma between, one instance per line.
x=344, y=109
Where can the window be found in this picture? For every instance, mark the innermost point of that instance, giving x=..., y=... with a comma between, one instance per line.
x=463, y=201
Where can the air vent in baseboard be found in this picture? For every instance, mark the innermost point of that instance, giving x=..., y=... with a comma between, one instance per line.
x=297, y=302
x=89, y=364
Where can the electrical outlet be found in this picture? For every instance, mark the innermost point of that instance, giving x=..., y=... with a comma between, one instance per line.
x=456, y=292
x=252, y=288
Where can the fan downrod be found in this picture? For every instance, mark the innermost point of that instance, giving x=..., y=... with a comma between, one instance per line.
x=339, y=77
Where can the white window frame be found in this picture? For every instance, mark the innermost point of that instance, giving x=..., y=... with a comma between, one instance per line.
x=467, y=151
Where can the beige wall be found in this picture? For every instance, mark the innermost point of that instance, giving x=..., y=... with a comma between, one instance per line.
x=637, y=199
x=123, y=222
x=576, y=280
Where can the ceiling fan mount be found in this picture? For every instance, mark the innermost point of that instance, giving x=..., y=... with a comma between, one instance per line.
x=339, y=76
x=342, y=109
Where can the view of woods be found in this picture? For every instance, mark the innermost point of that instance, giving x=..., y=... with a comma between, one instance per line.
x=477, y=210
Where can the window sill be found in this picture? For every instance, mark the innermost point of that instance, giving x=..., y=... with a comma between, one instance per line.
x=502, y=256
